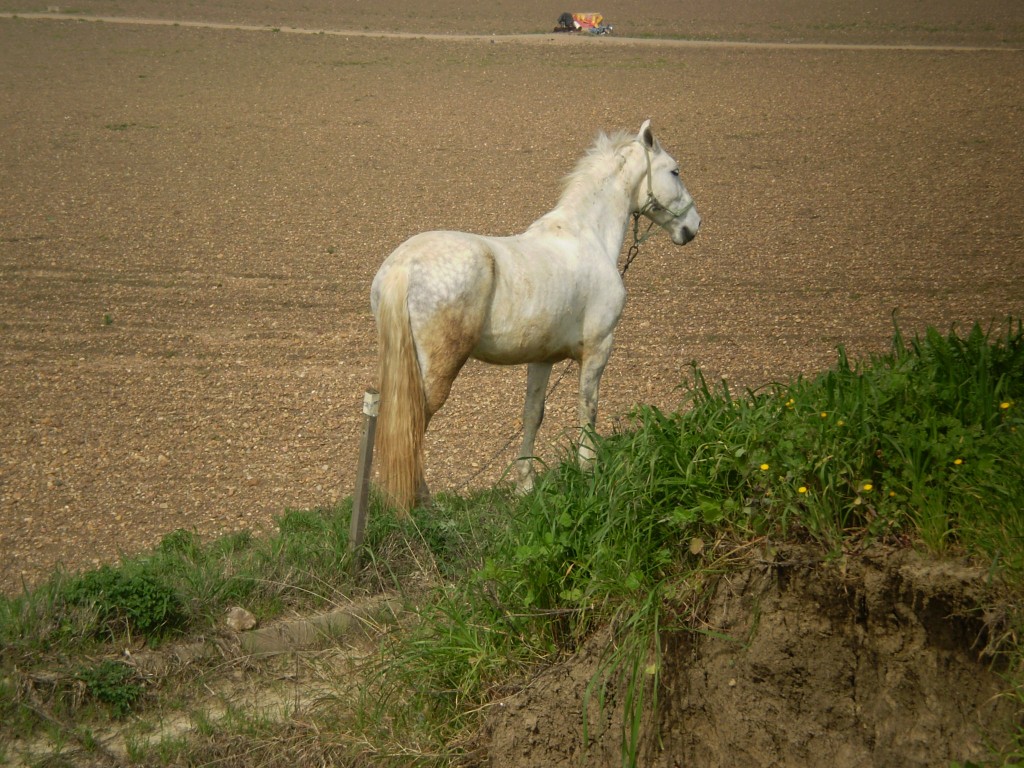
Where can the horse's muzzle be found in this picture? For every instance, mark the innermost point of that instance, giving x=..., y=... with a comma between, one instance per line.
x=685, y=234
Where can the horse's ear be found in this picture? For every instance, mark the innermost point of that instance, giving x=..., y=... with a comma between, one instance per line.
x=646, y=136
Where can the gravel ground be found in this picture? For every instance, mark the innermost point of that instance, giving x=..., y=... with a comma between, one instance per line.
x=190, y=219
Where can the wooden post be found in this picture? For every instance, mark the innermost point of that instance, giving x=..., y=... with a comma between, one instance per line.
x=357, y=527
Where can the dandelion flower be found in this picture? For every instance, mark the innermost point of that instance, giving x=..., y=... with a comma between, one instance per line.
x=1004, y=405
x=765, y=467
x=958, y=462
x=867, y=487
x=802, y=489
x=840, y=423
x=824, y=414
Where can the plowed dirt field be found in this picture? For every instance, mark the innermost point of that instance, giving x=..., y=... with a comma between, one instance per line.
x=190, y=217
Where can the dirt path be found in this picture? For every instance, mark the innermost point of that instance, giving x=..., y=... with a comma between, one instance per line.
x=536, y=38
x=190, y=217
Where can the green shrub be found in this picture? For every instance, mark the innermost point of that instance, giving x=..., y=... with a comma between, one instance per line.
x=114, y=684
x=129, y=600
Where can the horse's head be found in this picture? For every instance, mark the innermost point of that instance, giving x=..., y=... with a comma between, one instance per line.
x=661, y=195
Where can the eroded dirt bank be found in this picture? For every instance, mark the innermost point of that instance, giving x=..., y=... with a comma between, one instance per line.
x=878, y=660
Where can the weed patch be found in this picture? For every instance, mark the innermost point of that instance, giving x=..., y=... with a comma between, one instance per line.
x=128, y=600
x=114, y=684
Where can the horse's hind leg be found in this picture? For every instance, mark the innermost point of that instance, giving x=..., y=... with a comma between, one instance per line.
x=436, y=387
x=537, y=375
x=444, y=348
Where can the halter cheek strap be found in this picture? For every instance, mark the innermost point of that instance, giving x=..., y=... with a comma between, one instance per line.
x=652, y=203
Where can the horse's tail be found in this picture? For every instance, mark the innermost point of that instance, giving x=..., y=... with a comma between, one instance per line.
x=402, y=421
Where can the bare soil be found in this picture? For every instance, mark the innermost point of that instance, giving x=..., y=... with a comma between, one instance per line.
x=190, y=218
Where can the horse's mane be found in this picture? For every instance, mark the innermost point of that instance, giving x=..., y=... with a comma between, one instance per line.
x=604, y=148
x=599, y=161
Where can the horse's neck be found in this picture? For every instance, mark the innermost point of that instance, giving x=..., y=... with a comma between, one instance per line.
x=598, y=207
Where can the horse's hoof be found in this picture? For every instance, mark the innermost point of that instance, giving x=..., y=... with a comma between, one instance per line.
x=524, y=486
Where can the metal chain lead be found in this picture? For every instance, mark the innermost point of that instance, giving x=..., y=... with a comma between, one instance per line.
x=634, y=249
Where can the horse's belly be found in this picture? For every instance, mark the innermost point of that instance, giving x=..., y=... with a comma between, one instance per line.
x=527, y=343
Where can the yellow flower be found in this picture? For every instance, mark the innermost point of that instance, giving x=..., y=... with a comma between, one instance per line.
x=802, y=489
x=824, y=414
x=867, y=487
x=765, y=467
x=1005, y=405
x=840, y=423
x=958, y=462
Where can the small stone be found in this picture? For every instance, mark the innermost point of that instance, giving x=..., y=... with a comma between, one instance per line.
x=239, y=619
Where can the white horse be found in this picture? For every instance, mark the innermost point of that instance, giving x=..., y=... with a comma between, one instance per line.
x=554, y=292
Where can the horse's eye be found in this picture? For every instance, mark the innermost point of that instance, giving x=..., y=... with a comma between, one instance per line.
x=675, y=172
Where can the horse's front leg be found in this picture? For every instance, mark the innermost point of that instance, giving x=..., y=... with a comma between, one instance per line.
x=537, y=375
x=591, y=368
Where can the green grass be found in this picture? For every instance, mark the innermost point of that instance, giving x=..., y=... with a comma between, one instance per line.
x=921, y=447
